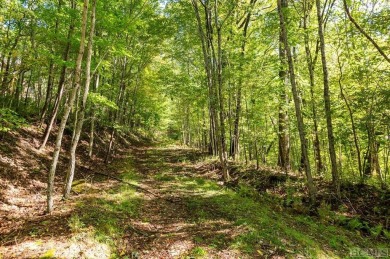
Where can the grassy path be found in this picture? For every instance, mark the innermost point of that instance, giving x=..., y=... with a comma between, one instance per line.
x=179, y=212
x=194, y=217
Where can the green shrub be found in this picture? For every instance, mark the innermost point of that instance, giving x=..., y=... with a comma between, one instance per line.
x=376, y=231
x=355, y=223
x=10, y=120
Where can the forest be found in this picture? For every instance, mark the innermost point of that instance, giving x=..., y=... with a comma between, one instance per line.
x=194, y=129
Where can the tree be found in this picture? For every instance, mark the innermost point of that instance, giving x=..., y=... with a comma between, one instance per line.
x=301, y=126
x=82, y=108
x=68, y=107
x=328, y=113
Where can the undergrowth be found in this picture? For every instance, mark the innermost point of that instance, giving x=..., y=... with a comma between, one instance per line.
x=269, y=229
x=105, y=216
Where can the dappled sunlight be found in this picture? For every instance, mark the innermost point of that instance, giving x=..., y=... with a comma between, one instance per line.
x=76, y=246
x=167, y=206
x=191, y=206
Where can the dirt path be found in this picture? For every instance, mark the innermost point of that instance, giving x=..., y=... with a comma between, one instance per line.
x=106, y=218
x=167, y=226
x=181, y=210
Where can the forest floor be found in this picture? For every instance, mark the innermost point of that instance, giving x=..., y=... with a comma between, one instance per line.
x=159, y=202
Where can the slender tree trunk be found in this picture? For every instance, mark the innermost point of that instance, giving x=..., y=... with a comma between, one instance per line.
x=7, y=72
x=80, y=120
x=223, y=152
x=213, y=67
x=205, y=40
x=236, y=133
x=110, y=145
x=297, y=103
x=28, y=88
x=93, y=118
x=311, y=66
x=355, y=136
x=51, y=71
x=365, y=34
x=121, y=94
x=328, y=113
x=49, y=89
x=61, y=85
x=68, y=108
x=283, y=131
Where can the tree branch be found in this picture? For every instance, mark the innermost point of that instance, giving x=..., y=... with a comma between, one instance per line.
x=363, y=32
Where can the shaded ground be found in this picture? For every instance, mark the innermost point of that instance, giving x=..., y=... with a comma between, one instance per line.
x=179, y=210
x=25, y=230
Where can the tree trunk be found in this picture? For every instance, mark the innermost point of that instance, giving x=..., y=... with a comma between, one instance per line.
x=50, y=73
x=311, y=66
x=61, y=85
x=93, y=118
x=355, y=136
x=68, y=108
x=365, y=34
x=297, y=104
x=223, y=153
x=80, y=120
x=236, y=133
x=49, y=89
x=283, y=131
x=328, y=113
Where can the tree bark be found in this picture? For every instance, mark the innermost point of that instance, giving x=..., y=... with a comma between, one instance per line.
x=236, y=132
x=355, y=136
x=283, y=131
x=328, y=113
x=80, y=120
x=61, y=85
x=311, y=66
x=297, y=104
x=223, y=152
x=67, y=110
x=365, y=34
x=213, y=67
x=93, y=118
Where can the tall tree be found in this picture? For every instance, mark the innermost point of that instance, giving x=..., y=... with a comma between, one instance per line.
x=68, y=107
x=244, y=25
x=82, y=108
x=297, y=102
x=283, y=127
x=327, y=101
x=311, y=62
x=212, y=52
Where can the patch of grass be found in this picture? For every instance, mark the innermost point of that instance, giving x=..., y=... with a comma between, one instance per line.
x=106, y=215
x=198, y=252
x=268, y=227
x=246, y=191
x=49, y=254
x=198, y=239
x=219, y=241
x=199, y=184
x=75, y=224
x=200, y=181
x=163, y=177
